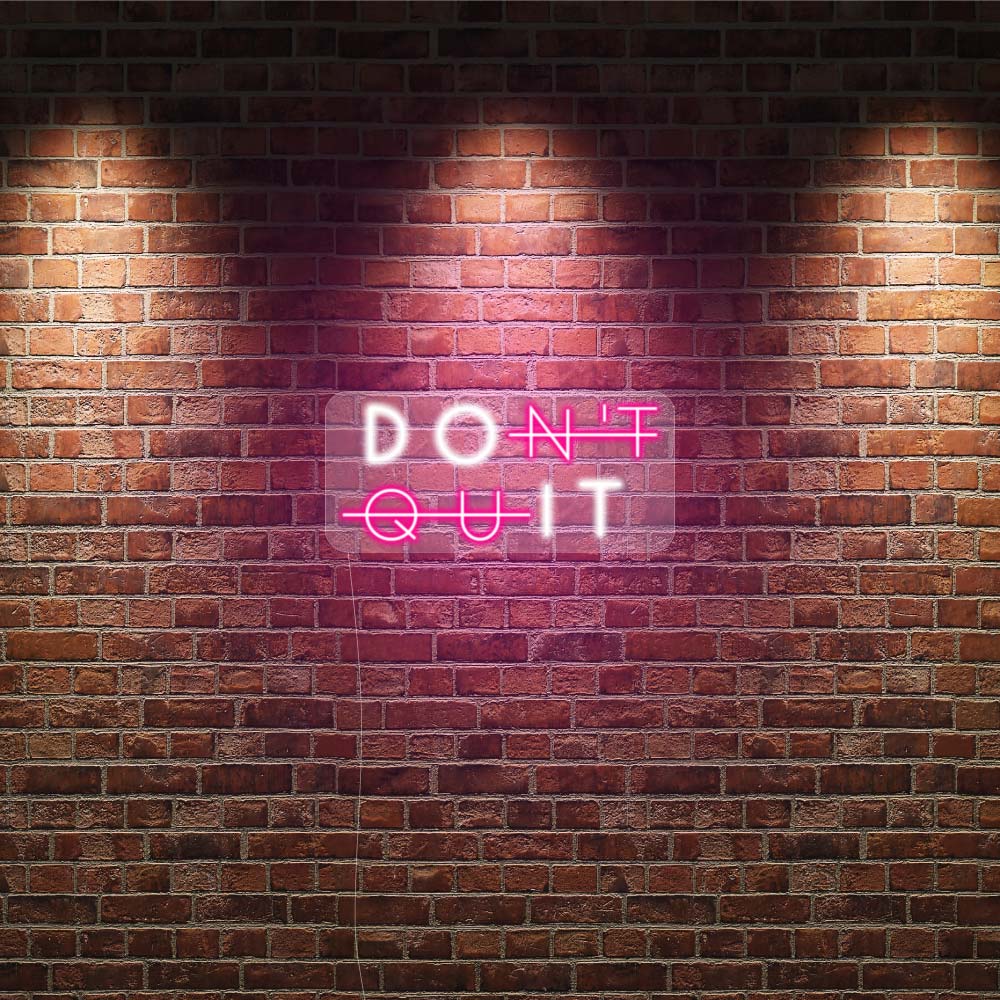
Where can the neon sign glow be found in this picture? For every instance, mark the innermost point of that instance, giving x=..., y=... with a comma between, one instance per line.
x=393, y=514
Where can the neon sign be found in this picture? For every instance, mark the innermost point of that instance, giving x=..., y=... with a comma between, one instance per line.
x=394, y=514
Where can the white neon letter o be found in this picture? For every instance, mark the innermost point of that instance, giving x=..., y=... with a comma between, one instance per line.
x=479, y=414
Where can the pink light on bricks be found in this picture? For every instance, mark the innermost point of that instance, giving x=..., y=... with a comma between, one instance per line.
x=597, y=465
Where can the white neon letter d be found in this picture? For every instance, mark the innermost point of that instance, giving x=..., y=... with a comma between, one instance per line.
x=373, y=413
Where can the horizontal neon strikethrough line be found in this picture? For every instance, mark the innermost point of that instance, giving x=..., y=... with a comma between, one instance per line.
x=538, y=429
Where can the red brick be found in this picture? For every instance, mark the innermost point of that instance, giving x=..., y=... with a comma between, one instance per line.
x=145, y=173
x=943, y=304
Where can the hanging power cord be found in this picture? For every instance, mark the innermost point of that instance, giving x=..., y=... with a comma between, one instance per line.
x=357, y=826
x=361, y=757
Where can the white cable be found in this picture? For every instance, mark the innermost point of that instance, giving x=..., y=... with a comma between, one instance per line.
x=361, y=758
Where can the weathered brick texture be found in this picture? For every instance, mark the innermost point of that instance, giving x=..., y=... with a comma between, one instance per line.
x=764, y=763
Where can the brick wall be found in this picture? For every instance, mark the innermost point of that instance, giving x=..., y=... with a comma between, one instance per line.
x=765, y=761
